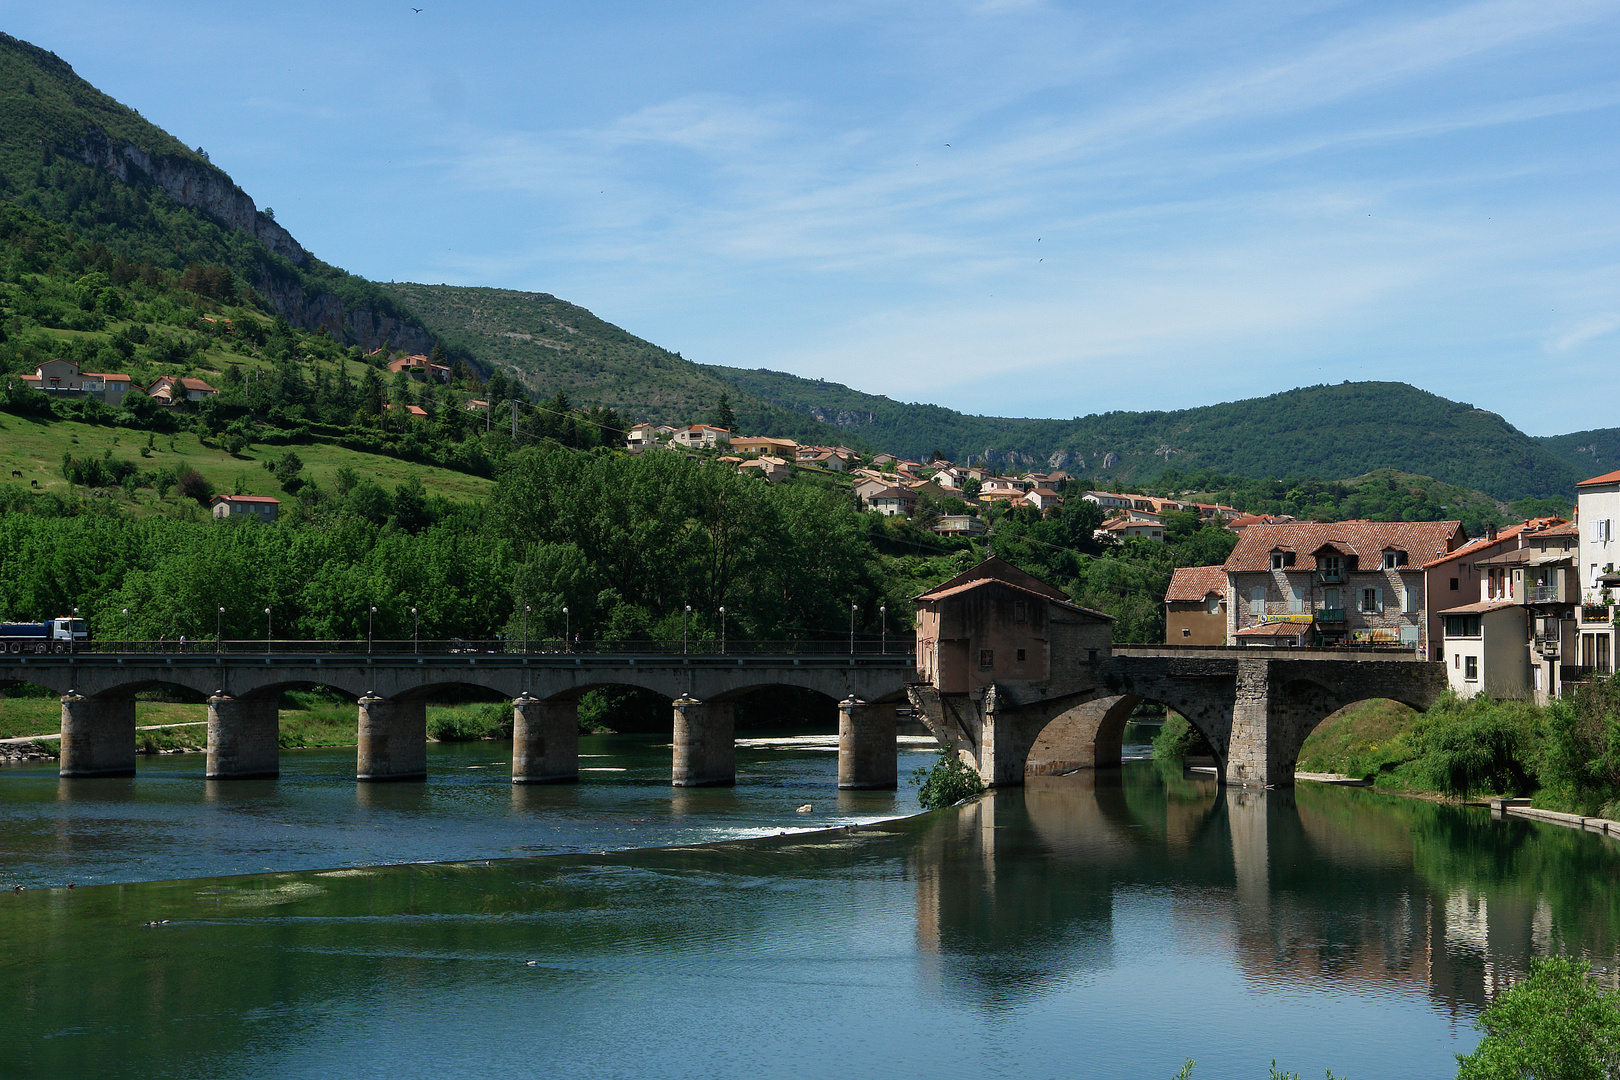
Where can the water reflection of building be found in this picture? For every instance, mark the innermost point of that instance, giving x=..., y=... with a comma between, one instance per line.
x=1322, y=889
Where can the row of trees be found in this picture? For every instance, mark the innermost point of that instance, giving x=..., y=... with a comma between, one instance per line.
x=626, y=543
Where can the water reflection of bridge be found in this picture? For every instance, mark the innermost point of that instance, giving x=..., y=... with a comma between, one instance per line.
x=1022, y=889
x=392, y=689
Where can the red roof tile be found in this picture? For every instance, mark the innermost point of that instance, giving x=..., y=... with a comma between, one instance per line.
x=1421, y=540
x=1606, y=478
x=1193, y=583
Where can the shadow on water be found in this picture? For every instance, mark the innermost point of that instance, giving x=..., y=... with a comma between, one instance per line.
x=1123, y=919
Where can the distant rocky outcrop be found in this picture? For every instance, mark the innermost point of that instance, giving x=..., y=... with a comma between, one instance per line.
x=192, y=184
x=199, y=186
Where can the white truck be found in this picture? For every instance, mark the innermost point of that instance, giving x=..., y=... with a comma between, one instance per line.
x=59, y=635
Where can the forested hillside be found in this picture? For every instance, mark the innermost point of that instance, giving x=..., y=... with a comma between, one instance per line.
x=1332, y=432
x=1589, y=453
x=552, y=345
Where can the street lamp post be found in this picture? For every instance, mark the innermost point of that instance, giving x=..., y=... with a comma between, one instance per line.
x=568, y=627
x=853, y=608
x=126, y=629
x=371, y=622
x=267, y=630
x=686, y=617
x=416, y=632
x=525, y=629
x=883, y=616
x=219, y=628
x=722, y=629
x=73, y=631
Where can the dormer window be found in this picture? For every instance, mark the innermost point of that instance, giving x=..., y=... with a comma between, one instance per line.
x=1394, y=559
x=1281, y=560
x=1332, y=567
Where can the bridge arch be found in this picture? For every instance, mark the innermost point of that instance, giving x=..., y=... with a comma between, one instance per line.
x=1091, y=735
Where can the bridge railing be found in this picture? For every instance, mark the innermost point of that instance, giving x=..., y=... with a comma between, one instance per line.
x=898, y=647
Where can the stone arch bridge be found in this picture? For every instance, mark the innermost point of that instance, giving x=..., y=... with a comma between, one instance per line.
x=392, y=690
x=1254, y=705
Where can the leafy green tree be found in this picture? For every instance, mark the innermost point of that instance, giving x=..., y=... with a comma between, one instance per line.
x=1556, y=1025
x=288, y=472
x=410, y=505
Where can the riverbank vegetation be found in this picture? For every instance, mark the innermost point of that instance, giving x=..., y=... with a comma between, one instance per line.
x=948, y=780
x=1565, y=756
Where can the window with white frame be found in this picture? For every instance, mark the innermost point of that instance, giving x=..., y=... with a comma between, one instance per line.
x=1471, y=668
x=1372, y=601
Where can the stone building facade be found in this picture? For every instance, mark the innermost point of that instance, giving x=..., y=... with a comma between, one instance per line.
x=1352, y=582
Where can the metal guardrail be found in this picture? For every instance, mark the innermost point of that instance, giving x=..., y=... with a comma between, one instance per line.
x=1544, y=594
x=900, y=649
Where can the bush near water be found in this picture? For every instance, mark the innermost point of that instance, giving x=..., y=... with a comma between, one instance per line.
x=948, y=780
x=1565, y=755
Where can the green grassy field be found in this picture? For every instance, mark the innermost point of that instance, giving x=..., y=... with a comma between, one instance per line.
x=314, y=723
x=1359, y=740
x=35, y=448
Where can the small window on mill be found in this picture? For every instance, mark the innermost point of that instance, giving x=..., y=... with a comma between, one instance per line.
x=987, y=659
x=1020, y=611
x=1020, y=656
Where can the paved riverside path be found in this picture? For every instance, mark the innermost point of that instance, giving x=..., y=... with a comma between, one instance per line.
x=393, y=682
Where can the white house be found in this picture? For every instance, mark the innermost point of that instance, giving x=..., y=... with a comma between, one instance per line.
x=1598, y=513
x=248, y=507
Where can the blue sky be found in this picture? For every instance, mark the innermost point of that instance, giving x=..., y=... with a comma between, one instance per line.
x=1009, y=207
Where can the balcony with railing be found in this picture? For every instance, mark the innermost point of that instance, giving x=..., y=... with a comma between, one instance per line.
x=1596, y=613
x=1330, y=614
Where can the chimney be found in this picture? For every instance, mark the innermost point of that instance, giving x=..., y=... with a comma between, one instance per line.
x=1490, y=532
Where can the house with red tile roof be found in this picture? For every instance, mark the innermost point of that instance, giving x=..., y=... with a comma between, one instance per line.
x=421, y=368
x=1358, y=582
x=62, y=378
x=1195, y=606
x=1516, y=634
x=702, y=437
x=170, y=390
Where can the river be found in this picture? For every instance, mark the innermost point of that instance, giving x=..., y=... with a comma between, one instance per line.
x=1097, y=925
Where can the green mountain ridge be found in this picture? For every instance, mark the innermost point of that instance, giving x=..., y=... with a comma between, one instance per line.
x=77, y=157
x=1330, y=431
x=144, y=203
x=551, y=345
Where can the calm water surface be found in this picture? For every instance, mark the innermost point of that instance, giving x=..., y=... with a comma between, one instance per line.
x=1105, y=925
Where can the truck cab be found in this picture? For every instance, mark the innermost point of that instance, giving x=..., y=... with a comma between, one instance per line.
x=68, y=629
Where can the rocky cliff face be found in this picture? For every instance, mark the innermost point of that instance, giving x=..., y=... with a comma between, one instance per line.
x=200, y=186
x=192, y=184
x=356, y=326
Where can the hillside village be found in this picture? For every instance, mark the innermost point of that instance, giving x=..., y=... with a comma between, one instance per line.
x=1517, y=612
